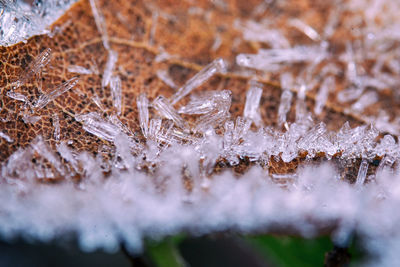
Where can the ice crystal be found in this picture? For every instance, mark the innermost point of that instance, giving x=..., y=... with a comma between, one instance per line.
x=364, y=101
x=217, y=66
x=116, y=93
x=56, y=124
x=163, y=76
x=6, y=137
x=79, y=69
x=166, y=110
x=96, y=125
x=272, y=59
x=143, y=110
x=362, y=173
x=306, y=29
x=17, y=96
x=253, y=31
x=110, y=65
x=33, y=68
x=44, y=99
x=252, y=105
x=327, y=85
x=220, y=102
x=101, y=25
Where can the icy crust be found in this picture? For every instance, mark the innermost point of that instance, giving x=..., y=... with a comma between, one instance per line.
x=20, y=21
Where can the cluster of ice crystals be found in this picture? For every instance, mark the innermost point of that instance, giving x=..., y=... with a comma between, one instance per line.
x=218, y=114
x=19, y=20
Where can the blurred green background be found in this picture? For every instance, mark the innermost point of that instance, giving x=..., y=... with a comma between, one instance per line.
x=209, y=251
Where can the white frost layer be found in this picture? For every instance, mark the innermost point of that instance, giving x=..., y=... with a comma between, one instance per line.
x=20, y=21
x=128, y=206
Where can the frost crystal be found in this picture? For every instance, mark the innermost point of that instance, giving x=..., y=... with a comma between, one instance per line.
x=217, y=66
x=17, y=96
x=30, y=119
x=50, y=96
x=96, y=125
x=116, y=93
x=327, y=85
x=365, y=100
x=79, y=69
x=33, y=68
x=362, y=173
x=166, y=110
x=301, y=107
x=6, y=137
x=110, y=65
x=143, y=110
x=46, y=152
x=217, y=110
x=68, y=155
x=100, y=23
x=271, y=59
x=56, y=124
x=253, y=31
x=306, y=29
x=163, y=76
x=252, y=105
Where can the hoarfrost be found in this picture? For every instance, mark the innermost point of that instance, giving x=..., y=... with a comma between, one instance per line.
x=215, y=67
x=305, y=28
x=327, y=85
x=44, y=99
x=17, y=96
x=79, y=69
x=33, y=68
x=118, y=203
x=272, y=59
x=362, y=173
x=96, y=125
x=116, y=93
x=56, y=124
x=100, y=23
x=143, y=110
x=166, y=110
x=110, y=65
x=252, y=105
x=164, y=76
x=6, y=137
x=19, y=21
